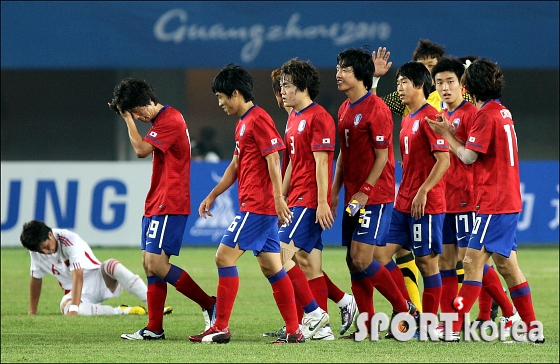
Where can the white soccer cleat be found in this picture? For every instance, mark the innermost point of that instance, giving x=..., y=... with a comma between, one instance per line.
x=310, y=325
x=209, y=315
x=348, y=314
x=508, y=322
x=144, y=334
x=324, y=334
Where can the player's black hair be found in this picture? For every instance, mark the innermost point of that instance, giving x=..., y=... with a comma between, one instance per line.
x=418, y=74
x=361, y=63
x=131, y=93
x=33, y=234
x=484, y=80
x=275, y=77
x=427, y=49
x=448, y=64
x=303, y=76
x=231, y=78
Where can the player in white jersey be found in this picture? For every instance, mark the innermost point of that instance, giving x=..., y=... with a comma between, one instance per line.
x=86, y=281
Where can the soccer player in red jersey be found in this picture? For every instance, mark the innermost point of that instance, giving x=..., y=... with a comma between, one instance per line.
x=417, y=220
x=85, y=280
x=168, y=203
x=460, y=199
x=365, y=167
x=310, y=263
x=256, y=167
x=491, y=147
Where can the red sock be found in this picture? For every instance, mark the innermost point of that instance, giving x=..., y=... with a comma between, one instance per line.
x=183, y=283
x=484, y=305
x=492, y=284
x=470, y=290
x=386, y=286
x=157, y=293
x=523, y=301
x=449, y=289
x=320, y=292
x=363, y=294
x=398, y=278
x=432, y=294
x=228, y=285
x=302, y=290
x=283, y=292
x=335, y=293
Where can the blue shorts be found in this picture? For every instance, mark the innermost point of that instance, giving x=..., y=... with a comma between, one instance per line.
x=303, y=230
x=422, y=236
x=497, y=233
x=163, y=232
x=374, y=228
x=255, y=232
x=457, y=228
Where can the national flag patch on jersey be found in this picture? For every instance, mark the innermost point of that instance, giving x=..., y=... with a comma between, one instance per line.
x=379, y=138
x=472, y=139
x=440, y=142
x=274, y=141
x=326, y=140
x=153, y=134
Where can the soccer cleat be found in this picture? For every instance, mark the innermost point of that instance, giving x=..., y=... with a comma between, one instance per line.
x=276, y=333
x=287, y=338
x=167, y=310
x=209, y=315
x=509, y=321
x=212, y=336
x=348, y=314
x=455, y=336
x=524, y=338
x=135, y=310
x=324, y=333
x=403, y=325
x=144, y=334
x=310, y=325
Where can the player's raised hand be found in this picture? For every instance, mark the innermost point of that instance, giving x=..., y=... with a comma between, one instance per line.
x=205, y=205
x=380, y=60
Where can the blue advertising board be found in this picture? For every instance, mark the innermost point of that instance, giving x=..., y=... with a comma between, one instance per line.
x=207, y=34
x=538, y=223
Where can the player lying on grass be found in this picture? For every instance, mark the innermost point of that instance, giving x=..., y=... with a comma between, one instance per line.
x=86, y=282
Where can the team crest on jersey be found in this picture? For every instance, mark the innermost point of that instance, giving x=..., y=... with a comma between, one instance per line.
x=242, y=130
x=301, y=126
x=415, y=126
x=357, y=119
x=456, y=121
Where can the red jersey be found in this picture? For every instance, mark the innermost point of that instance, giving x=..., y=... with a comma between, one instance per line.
x=417, y=143
x=364, y=126
x=256, y=137
x=496, y=169
x=459, y=195
x=169, y=192
x=310, y=130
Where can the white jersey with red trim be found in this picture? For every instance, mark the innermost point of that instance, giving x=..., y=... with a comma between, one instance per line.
x=72, y=253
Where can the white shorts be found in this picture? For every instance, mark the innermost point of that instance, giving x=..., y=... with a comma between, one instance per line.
x=94, y=289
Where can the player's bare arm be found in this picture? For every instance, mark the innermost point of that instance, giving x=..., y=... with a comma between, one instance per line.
x=337, y=184
x=456, y=146
x=35, y=285
x=282, y=210
x=436, y=174
x=141, y=148
x=286, y=180
x=77, y=284
x=229, y=177
x=381, y=158
x=324, y=214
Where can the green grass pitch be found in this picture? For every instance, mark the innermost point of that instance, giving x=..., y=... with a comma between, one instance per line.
x=51, y=337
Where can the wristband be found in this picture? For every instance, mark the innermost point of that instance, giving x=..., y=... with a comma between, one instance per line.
x=73, y=308
x=374, y=82
x=366, y=188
